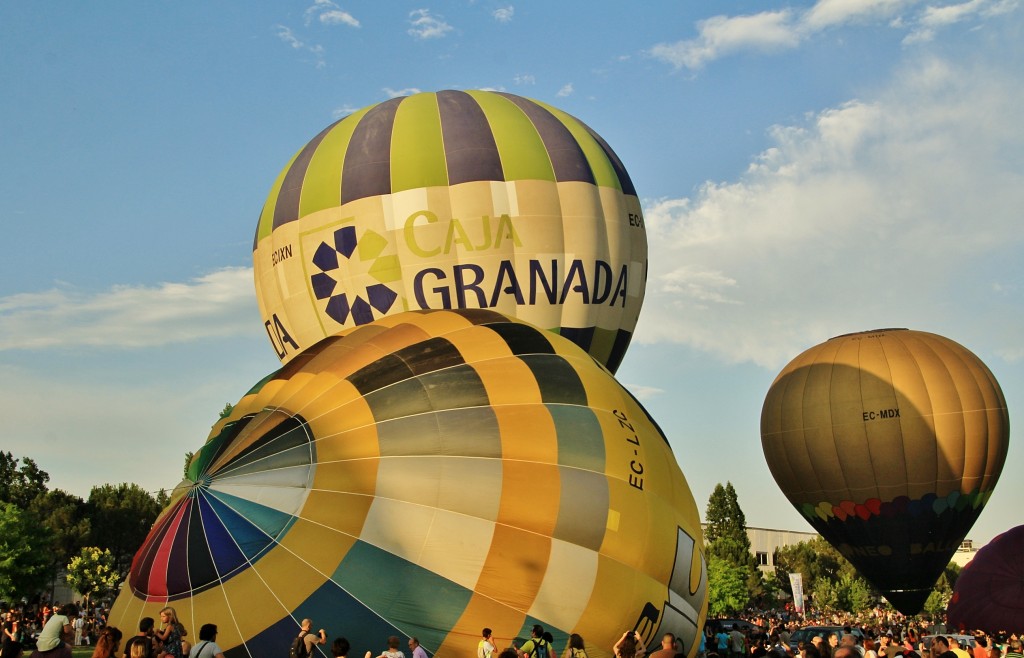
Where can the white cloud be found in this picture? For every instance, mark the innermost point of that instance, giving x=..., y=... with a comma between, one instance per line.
x=504, y=14
x=524, y=79
x=216, y=305
x=329, y=13
x=934, y=18
x=864, y=216
x=773, y=31
x=427, y=26
x=566, y=90
x=395, y=93
x=286, y=35
x=722, y=35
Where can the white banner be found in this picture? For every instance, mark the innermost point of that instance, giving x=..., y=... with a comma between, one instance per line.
x=796, y=582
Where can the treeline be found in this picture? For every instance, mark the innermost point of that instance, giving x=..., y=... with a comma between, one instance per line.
x=831, y=584
x=43, y=530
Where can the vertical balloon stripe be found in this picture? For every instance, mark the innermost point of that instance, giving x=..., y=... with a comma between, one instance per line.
x=323, y=180
x=228, y=556
x=178, y=566
x=522, y=338
x=469, y=146
x=559, y=382
x=468, y=432
x=520, y=145
x=417, y=147
x=157, y=585
x=367, y=169
x=582, y=519
x=448, y=389
x=286, y=209
x=567, y=158
x=254, y=526
x=201, y=570
x=414, y=600
x=603, y=162
x=618, y=350
x=580, y=437
x=625, y=183
x=265, y=225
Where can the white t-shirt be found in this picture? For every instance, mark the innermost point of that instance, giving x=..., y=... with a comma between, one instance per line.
x=52, y=635
x=204, y=649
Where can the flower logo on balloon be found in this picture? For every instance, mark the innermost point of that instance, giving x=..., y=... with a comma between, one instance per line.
x=365, y=256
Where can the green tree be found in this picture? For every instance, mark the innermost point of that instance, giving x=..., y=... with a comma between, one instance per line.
x=21, y=485
x=24, y=553
x=92, y=573
x=63, y=514
x=727, y=538
x=825, y=595
x=120, y=516
x=937, y=601
x=727, y=588
x=854, y=593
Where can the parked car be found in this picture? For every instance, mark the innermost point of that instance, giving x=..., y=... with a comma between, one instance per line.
x=728, y=624
x=965, y=641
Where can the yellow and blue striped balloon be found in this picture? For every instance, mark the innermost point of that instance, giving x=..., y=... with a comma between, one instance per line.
x=429, y=474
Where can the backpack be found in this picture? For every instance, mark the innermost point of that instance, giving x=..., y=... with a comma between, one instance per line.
x=540, y=649
x=298, y=649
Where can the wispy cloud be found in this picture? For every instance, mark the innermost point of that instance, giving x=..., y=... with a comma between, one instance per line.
x=395, y=93
x=287, y=35
x=865, y=215
x=427, y=26
x=216, y=305
x=328, y=13
x=524, y=79
x=780, y=30
x=566, y=90
x=504, y=14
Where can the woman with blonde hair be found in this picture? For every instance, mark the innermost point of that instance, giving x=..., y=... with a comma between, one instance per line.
x=171, y=633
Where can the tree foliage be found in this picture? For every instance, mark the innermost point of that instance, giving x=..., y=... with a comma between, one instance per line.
x=121, y=517
x=727, y=588
x=727, y=539
x=22, y=484
x=93, y=573
x=24, y=553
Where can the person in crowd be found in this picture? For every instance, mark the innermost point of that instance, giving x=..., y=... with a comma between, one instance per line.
x=940, y=648
x=722, y=640
x=485, y=647
x=340, y=647
x=144, y=637
x=108, y=642
x=206, y=645
x=737, y=643
x=311, y=639
x=980, y=646
x=13, y=636
x=576, y=648
x=171, y=634
x=954, y=646
x=1015, y=648
x=630, y=645
x=416, y=649
x=668, y=647
x=536, y=646
x=392, y=651
x=58, y=630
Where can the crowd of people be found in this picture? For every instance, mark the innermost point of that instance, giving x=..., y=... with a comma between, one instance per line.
x=884, y=635
x=52, y=632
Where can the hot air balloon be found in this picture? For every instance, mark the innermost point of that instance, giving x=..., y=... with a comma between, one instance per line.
x=429, y=473
x=889, y=443
x=453, y=199
x=989, y=592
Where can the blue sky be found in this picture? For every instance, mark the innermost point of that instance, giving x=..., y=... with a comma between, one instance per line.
x=807, y=169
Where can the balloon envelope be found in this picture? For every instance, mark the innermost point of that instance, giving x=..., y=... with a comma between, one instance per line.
x=889, y=443
x=989, y=592
x=453, y=199
x=429, y=474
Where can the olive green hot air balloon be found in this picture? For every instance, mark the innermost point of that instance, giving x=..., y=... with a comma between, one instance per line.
x=453, y=199
x=889, y=442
